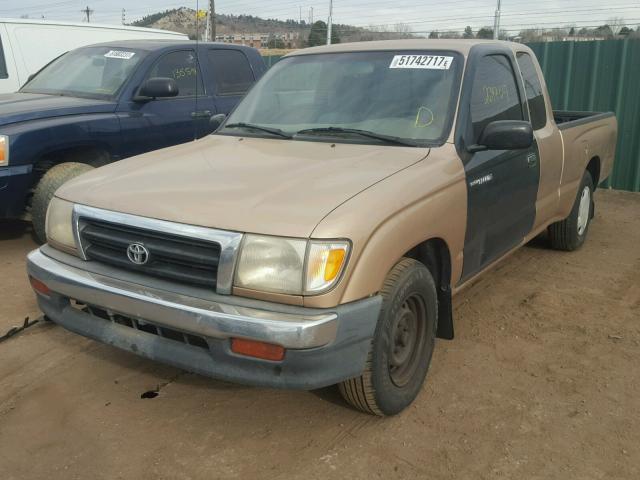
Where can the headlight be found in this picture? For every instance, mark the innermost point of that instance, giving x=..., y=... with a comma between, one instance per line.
x=289, y=266
x=59, y=226
x=271, y=264
x=4, y=150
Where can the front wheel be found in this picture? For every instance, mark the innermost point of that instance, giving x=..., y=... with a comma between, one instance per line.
x=48, y=184
x=570, y=233
x=402, y=345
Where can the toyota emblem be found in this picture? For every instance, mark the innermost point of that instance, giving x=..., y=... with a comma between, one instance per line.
x=138, y=253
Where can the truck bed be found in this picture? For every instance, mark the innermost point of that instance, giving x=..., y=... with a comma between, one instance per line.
x=568, y=118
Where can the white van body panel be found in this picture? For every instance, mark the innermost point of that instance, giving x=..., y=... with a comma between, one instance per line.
x=28, y=45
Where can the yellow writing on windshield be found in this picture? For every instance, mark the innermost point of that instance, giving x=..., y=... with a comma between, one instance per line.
x=493, y=93
x=424, y=117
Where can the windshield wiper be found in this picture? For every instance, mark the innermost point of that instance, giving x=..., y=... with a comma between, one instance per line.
x=357, y=131
x=252, y=126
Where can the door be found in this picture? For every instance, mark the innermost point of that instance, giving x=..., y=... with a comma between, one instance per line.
x=548, y=139
x=232, y=76
x=159, y=123
x=502, y=185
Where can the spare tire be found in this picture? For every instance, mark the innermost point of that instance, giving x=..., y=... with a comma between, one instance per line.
x=47, y=186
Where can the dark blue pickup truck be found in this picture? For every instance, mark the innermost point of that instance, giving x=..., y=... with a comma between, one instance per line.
x=106, y=102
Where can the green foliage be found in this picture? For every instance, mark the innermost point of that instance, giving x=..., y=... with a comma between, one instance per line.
x=318, y=34
x=434, y=34
x=485, y=32
x=468, y=32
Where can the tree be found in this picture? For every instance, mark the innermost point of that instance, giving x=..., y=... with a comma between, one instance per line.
x=403, y=29
x=615, y=24
x=468, y=33
x=625, y=31
x=572, y=32
x=604, y=31
x=434, y=34
x=318, y=34
x=485, y=32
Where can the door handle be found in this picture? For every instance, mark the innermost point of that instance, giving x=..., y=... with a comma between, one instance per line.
x=201, y=114
x=532, y=160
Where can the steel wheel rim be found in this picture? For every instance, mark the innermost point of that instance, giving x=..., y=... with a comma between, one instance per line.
x=407, y=340
x=584, y=209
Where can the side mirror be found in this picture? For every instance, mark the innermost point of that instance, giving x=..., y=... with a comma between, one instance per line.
x=157, y=87
x=216, y=121
x=504, y=135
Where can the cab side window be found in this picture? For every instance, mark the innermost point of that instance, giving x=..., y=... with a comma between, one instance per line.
x=494, y=93
x=533, y=88
x=231, y=71
x=3, y=64
x=183, y=67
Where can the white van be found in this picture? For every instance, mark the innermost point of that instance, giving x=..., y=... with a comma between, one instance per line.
x=28, y=45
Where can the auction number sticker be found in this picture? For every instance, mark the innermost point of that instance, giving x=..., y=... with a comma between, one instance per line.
x=119, y=54
x=431, y=62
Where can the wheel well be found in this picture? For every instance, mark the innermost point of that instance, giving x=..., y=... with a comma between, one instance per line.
x=594, y=169
x=89, y=154
x=434, y=254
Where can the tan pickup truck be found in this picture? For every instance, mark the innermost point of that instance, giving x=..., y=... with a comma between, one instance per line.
x=318, y=236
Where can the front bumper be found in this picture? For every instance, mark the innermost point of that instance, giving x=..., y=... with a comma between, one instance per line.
x=14, y=186
x=323, y=347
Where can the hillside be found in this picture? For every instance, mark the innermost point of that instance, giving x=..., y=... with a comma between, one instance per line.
x=184, y=20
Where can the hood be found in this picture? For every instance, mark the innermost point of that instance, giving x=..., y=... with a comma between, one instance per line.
x=21, y=107
x=269, y=186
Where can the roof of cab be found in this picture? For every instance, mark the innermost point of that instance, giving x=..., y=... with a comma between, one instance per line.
x=462, y=46
x=158, y=44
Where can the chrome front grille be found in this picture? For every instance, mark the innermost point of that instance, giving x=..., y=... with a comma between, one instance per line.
x=185, y=260
x=187, y=254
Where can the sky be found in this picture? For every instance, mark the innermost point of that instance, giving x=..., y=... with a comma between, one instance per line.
x=420, y=16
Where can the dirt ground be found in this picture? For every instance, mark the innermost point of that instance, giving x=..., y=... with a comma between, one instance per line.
x=541, y=382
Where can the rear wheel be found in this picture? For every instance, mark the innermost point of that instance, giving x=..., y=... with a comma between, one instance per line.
x=45, y=189
x=403, y=343
x=570, y=233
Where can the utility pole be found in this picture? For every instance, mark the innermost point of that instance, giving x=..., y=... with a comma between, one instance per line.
x=124, y=16
x=212, y=20
x=329, y=22
x=496, y=23
x=87, y=11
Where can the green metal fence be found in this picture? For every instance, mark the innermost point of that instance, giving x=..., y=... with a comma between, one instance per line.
x=601, y=76
x=271, y=60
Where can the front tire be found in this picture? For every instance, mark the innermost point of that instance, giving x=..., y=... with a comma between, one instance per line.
x=402, y=345
x=48, y=184
x=570, y=233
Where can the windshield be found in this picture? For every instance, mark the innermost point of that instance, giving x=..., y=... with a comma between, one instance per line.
x=95, y=72
x=398, y=95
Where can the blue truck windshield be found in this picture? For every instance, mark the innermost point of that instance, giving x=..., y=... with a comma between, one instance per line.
x=403, y=95
x=94, y=72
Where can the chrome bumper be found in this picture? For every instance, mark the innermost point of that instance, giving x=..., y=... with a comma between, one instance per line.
x=189, y=314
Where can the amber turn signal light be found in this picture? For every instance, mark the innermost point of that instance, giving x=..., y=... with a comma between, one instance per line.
x=252, y=348
x=39, y=286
